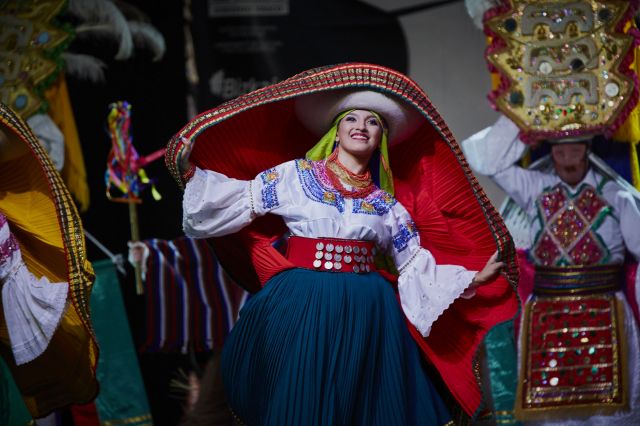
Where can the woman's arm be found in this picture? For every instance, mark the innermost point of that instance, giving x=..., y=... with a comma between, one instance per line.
x=216, y=205
x=427, y=288
x=494, y=152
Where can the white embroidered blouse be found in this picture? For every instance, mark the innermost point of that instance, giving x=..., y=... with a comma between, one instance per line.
x=300, y=192
x=495, y=151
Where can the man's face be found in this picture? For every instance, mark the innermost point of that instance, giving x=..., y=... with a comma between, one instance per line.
x=570, y=161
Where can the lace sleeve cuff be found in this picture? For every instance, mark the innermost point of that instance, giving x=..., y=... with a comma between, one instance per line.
x=426, y=289
x=32, y=311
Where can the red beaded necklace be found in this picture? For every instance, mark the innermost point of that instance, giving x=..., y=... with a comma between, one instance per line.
x=337, y=173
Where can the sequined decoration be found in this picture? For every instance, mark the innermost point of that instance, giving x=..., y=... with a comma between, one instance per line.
x=377, y=203
x=559, y=65
x=569, y=223
x=406, y=232
x=270, y=179
x=31, y=44
x=572, y=352
x=7, y=248
x=316, y=184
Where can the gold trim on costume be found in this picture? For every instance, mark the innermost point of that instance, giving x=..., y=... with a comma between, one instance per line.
x=143, y=420
x=589, y=279
x=505, y=417
x=537, y=401
x=559, y=65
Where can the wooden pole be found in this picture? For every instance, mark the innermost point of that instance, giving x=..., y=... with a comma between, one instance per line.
x=135, y=236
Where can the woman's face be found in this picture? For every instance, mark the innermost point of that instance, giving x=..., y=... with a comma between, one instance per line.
x=359, y=133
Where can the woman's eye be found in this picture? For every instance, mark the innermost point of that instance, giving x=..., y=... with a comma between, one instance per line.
x=350, y=119
x=373, y=122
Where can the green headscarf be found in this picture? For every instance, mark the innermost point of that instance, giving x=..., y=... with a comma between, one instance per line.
x=327, y=144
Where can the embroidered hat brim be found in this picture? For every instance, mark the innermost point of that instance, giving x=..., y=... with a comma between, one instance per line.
x=44, y=220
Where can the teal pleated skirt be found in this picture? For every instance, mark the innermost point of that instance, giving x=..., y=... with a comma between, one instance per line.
x=326, y=348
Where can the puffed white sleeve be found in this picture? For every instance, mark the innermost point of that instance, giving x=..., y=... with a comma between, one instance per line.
x=426, y=289
x=627, y=209
x=216, y=205
x=32, y=306
x=494, y=152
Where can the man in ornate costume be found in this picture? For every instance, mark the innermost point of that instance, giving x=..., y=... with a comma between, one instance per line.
x=566, y=73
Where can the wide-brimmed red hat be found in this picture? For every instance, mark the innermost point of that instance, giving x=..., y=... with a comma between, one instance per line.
x=456, y=220
x=44, y=220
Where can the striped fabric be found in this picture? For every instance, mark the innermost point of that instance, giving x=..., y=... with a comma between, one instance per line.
x=191, y=303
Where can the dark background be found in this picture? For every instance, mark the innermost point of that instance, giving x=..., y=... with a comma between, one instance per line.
x=156, y=91
x=315, y=33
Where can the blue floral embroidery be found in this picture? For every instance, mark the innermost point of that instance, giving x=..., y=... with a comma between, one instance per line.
x=270, y=179
x=407, y=232
x=378, y=203
x=314, y=189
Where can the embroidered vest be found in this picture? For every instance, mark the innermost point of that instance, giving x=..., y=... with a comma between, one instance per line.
x=568, y=227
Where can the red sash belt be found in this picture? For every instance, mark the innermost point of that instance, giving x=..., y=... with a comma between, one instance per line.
x=332, y=254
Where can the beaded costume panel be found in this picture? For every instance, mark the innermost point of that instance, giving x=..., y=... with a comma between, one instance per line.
x=568, y=227
x=572, y=355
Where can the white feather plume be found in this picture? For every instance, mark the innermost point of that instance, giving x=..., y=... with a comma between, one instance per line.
x=85, y=67
x=146, y=36
x=104, y=17
x=477, y=8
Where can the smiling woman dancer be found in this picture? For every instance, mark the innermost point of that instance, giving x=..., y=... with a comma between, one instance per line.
x=325, y=341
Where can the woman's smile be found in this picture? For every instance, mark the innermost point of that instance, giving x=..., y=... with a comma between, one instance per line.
x=359, y=136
